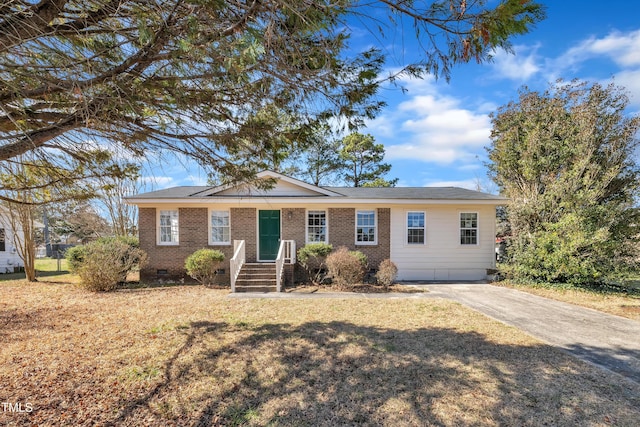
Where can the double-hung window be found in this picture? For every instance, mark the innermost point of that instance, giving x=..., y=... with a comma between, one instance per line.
x=366, y=228
x=468, y=228
x=220, y=228
x=316, y=226
x=168, y=227
x=416, y=228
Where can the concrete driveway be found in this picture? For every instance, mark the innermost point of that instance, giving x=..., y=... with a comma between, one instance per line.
x=608, y=341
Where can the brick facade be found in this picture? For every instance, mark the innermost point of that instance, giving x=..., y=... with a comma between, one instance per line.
x=244, y=227
x=166, y=262
x=294, y=222
x=342, y=231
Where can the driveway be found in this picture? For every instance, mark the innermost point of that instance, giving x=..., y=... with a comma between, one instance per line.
x=608, y=341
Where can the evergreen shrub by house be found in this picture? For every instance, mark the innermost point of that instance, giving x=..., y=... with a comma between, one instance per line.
x=203, y=265
x=312, y=258
x=75, y=256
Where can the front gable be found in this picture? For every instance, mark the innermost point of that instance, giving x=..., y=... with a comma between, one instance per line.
x=282, y=186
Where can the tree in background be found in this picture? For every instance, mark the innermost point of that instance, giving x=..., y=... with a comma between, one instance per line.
x=184, y=76
x=78, y=220
x=26, y=185
x=565, y=158
x=112, y=190
x=276, y=137
x=320, y=162
x=362, y=159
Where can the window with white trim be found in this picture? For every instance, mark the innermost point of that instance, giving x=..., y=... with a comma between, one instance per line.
x=416, y=230
x=316, y=226
x=168, y=227
x=468, y=228
x=220, y=230
x=366, y=227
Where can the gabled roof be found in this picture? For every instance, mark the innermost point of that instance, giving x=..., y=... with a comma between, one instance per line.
x=283, y=186
x=295, y=190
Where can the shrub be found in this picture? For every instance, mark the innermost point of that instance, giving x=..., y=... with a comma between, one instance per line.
x=107, y=262
x=312, y=258
x=387, y=273
x=75, y=256
x=346, y=267
x=203, y=264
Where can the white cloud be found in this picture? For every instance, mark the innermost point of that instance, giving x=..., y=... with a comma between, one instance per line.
x=156, y=182
x=436, y=129
x=195, y=180
x=382, y=126
x=520, y=65
x=630, y=80
x=623, y=49
x=470, y=184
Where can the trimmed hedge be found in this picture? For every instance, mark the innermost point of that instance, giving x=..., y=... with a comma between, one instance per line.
x=203, y=265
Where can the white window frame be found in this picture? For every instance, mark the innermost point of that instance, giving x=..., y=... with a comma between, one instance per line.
x=326, y=225
x=375, y=227
x=411, y=227
x=461, y=228
x=228, y=226
x=177, y=226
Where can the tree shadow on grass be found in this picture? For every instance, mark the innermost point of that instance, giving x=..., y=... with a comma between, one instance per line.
x=621, y=360
x=339, y=373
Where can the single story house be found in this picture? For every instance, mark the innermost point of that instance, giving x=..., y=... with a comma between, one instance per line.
x=10, y=260
x=430, y=233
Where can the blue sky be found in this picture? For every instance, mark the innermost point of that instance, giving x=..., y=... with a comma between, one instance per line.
x=435, y=133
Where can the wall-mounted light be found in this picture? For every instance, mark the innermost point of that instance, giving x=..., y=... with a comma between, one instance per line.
x=289, y=214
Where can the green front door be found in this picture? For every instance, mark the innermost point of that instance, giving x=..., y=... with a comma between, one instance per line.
x=268, y=235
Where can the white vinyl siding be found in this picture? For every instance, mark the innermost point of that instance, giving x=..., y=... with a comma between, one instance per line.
x=443, y=257
x=416, y=228
x=366, y=227
x=168, y=227
x=317, y=226
x=220, y=228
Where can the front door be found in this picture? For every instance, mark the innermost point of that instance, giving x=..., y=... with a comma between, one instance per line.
x=268, y=235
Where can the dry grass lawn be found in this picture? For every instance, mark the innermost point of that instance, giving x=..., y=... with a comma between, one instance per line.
x=191, y=356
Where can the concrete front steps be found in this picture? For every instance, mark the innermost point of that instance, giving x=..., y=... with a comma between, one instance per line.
x=257, y=277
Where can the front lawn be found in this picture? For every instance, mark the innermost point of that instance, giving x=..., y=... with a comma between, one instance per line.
x=189, y=355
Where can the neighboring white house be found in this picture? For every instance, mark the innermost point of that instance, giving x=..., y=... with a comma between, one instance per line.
x=9, y=258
